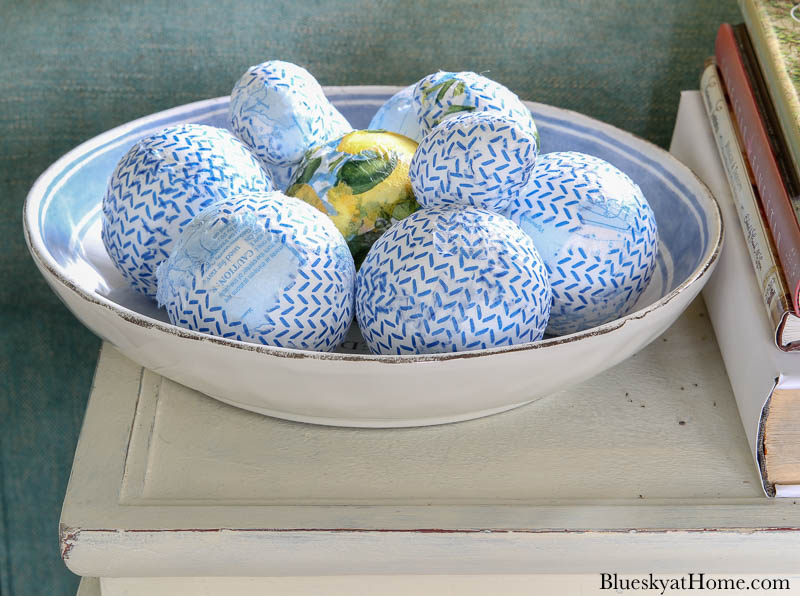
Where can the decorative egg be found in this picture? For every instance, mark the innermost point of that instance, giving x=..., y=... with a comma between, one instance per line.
x=449, y=279
x=443, y=95
x=398, y=115
x=282, y=176
x=160, y=184
x=280, y=111
x=478, y=159
x=262, y=268
x=596, y=233
x=361, y=181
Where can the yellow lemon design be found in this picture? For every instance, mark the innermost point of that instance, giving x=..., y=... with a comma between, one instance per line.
x=307, y=194
x=361, y=181
x=363, y=140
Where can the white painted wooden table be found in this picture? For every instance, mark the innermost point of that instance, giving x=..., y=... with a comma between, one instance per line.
x=644, y=468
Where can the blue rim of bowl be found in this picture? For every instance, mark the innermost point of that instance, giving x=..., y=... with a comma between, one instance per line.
x=44, y=260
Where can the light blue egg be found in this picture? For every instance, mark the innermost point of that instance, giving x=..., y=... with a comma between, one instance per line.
x=262, y=268
x=398, y=115
x=442, y=95
x=451, y=279
x=596, y=233
x=280, y=111
x=282, y=176
x=161, y=183
x=477, y=159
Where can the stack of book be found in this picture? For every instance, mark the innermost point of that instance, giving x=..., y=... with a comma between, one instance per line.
x=751, y=94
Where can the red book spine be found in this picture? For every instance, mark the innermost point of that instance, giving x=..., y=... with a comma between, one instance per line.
x=774, y=197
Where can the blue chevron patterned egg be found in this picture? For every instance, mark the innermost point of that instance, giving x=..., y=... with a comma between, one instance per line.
x=262, y=268
x=444, y=94
x=280, y=111
x=398, y=115
x=596, y=233
x=478, y=159
x=161, y=183
x=449, y=279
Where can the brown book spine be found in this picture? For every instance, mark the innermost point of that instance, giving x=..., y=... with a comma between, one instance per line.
x=776, y=201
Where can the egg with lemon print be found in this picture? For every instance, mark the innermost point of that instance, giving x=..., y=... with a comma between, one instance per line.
x=360, y=180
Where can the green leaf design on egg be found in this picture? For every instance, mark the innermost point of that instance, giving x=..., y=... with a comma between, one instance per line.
x=445, y=86
x=441, y=86
x=335, y=163
x=308, y=171
x=431, y=89
x=454, y=109
x=405, y=208
x=366, y=171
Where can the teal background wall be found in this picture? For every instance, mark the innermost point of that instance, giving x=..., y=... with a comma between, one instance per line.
x=70, y=70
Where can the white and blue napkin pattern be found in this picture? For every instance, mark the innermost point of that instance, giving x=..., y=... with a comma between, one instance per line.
x=451, y=279
x=443, y=95
x=262, y=268
x=161, y=183
x=279, y=110
x=475, y=159
x=596, y=233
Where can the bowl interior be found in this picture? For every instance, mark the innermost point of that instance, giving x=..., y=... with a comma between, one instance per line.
x=66, y=217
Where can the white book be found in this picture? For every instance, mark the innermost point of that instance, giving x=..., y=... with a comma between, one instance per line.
x=763, y=377
x=775, y=292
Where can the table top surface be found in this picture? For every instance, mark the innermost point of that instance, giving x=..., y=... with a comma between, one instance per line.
x=649, y=455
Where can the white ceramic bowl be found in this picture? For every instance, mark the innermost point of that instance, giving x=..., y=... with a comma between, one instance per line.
x=350, y=387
